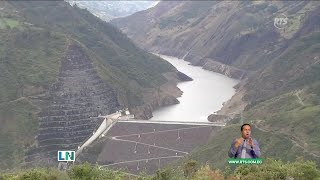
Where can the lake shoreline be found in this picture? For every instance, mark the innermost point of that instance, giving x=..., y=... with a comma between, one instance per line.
x=197, y=93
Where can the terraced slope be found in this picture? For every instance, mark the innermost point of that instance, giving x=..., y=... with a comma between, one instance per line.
x=78, y=96
x=61, y=65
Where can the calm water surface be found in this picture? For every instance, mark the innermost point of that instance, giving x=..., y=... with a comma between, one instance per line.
x=201, y=97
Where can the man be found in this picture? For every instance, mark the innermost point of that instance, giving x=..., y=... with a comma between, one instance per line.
x=246, y=146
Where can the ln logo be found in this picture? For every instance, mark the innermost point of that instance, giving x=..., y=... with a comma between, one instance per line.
x=280, y=21
x=66, y=155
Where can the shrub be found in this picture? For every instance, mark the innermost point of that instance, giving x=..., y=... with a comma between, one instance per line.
x=190, y=168
x=87, y=171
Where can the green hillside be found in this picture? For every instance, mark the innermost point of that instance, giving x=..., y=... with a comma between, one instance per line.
x=280, y=95
x=290, y=106
x=34, y=36
x=284, y=108
x=112, y=48
x=271, y=169
x=296, y=68
x=18, y=128
x=240, y=34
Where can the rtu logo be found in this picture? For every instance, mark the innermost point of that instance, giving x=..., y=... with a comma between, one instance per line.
x=280, y=21
x=66, y=156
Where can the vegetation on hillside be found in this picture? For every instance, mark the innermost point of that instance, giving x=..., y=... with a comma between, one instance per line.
x=285, y=97
x=124, y=61
x=34, y=36
x=18, y=128
x=283, y=108
x=270, y=169
x=283, y=92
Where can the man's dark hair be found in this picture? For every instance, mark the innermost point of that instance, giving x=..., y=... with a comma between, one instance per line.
x=244, y=125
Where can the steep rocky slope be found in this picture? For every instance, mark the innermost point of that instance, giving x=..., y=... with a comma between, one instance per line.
x=60, y=66
x=73, y=101
x=279, y=68
x=218, y=35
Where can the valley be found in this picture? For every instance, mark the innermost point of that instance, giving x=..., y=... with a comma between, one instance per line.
x=212, y=61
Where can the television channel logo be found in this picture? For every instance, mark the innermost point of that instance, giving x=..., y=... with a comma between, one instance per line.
x=280, y=21
x=66, y=156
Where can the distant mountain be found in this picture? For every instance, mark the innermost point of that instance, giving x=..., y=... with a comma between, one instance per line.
x=60, y=68
x=218, y=35
x=108, y=10
x=279, y=67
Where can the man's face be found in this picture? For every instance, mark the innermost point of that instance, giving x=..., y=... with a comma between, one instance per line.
x=246, y=131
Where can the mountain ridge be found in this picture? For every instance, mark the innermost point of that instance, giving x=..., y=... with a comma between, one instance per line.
x=224, y=36
x=62, y=66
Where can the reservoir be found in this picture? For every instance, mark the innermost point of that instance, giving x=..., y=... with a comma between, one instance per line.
x=201, y=97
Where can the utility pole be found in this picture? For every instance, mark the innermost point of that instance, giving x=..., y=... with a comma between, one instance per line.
x=241, y=118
